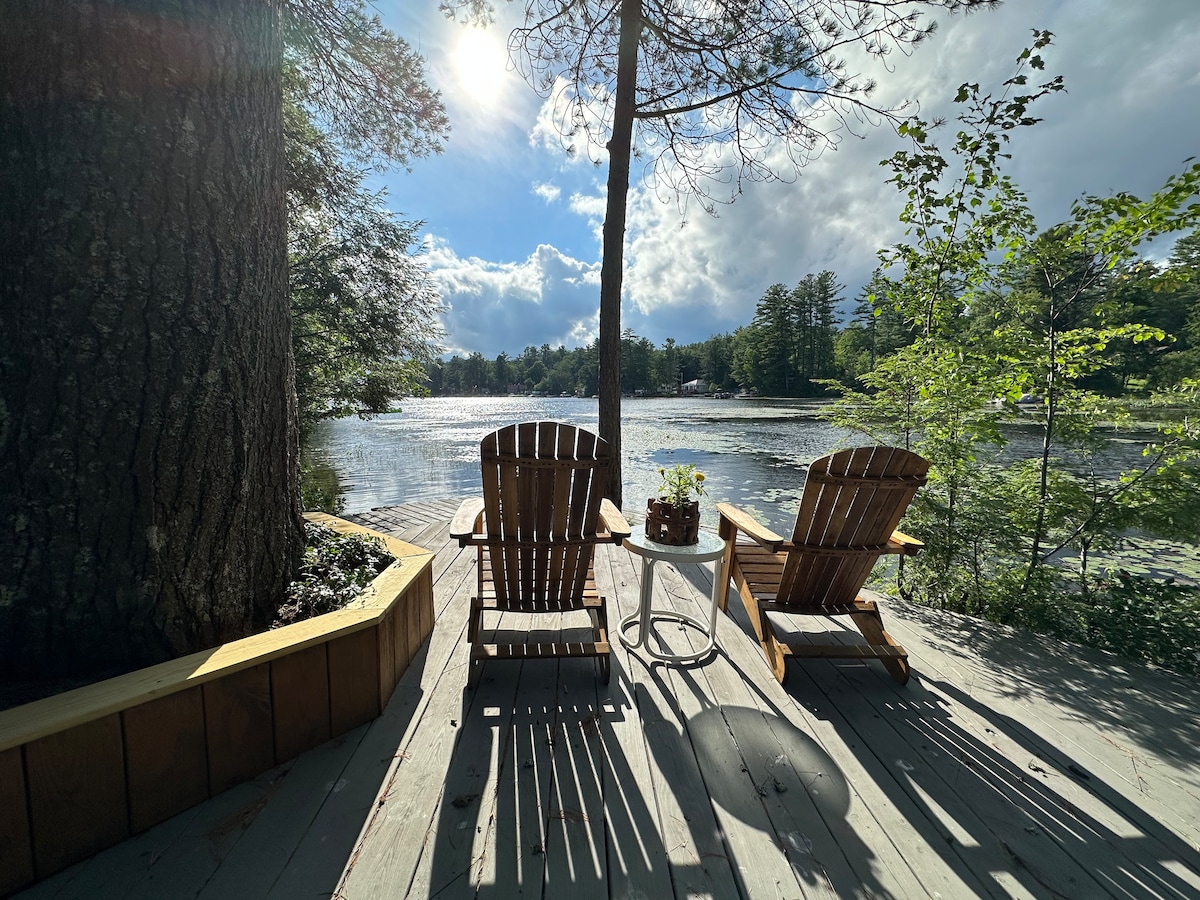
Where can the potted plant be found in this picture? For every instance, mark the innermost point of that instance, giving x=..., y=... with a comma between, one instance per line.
x=673, y=517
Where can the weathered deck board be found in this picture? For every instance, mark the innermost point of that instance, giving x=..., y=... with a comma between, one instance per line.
x=637, y=857
x=871, y=832
x=1009, y=766
x=698, y=860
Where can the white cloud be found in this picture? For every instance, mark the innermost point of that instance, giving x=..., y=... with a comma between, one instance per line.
x=548, y=298
x=565, y=124
x=1126, y=123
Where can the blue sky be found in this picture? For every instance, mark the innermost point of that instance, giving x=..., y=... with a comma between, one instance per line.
x=512, y=221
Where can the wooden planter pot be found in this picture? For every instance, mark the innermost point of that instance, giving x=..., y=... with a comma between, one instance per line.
x=668, y=525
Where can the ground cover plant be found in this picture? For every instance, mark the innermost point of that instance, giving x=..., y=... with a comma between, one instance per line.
x=336, y=569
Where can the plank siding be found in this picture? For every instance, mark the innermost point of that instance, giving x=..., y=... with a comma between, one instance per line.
x=166, y=757
x=300, y=702
x=240, y=735
x=16, y=862
x=353, y=680
x=76, y=793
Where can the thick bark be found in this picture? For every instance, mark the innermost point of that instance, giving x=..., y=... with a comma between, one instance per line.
x=149, y=495
x=613, y=252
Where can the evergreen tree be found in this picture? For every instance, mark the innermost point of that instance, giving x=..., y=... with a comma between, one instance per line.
x=149, y=491
x=679, y=80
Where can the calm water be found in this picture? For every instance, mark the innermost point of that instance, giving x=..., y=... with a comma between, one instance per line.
x=753, y=452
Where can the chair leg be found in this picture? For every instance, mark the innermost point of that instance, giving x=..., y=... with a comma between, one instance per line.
x=870, y=623
x=724, y=568
x=599, y=619
x=772, y=650
x=474, y=627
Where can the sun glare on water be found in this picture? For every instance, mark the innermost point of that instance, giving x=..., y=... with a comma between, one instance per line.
x=480, y=60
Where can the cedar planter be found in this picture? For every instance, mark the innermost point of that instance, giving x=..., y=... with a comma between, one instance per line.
x=83, y=770
x=672, y=525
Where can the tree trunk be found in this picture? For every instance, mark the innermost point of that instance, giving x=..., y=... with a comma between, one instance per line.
x=149, y=491
x=613, y=251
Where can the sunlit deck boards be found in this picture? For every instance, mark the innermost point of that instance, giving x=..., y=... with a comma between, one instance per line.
x=1008, y=766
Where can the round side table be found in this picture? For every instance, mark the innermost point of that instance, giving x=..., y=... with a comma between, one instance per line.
x=710, y=547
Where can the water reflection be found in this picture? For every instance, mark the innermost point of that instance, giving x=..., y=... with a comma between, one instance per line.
x=752, y=452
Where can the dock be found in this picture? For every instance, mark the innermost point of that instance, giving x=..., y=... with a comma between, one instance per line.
x=1010, y=765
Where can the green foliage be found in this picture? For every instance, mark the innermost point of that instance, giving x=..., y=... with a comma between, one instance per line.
x=1138, y=618
x=789, y=346
x=336, y=569
x=1001, y=312
x=364, y=313
x=678, y=483
x=365, y=85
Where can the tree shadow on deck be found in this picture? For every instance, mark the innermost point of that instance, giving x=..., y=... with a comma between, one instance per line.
x=1043, y=826
x=1153, y=708
x=1002, y=808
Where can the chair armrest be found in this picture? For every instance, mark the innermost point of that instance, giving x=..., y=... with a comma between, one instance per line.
x=467, y=520
x=612, y=520
x=741, y=521
x=905, y=544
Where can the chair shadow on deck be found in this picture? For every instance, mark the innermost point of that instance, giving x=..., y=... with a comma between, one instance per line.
x=1047, y=827
x=540, y=796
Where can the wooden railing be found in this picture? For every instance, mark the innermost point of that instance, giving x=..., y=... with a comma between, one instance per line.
x=86, y=769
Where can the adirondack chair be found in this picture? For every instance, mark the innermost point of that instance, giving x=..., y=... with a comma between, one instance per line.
x=852, y=502
x=536, y=529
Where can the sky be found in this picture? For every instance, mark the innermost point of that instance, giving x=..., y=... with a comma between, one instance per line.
x=511, y=232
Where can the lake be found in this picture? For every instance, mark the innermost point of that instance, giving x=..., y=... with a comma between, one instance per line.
x=753, y=452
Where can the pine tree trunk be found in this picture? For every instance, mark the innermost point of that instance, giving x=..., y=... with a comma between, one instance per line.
x=149, y=495
x=613, y=253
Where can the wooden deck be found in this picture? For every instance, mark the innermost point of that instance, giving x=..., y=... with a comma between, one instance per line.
x=1008, y=766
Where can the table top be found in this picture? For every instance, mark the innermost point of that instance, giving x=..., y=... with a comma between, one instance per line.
x=708, y=548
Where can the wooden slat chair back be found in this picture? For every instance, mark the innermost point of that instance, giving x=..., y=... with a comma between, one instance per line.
x=853, y=500
x=536, y=528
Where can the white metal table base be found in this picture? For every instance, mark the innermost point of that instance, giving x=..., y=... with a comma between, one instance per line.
x=644, y=616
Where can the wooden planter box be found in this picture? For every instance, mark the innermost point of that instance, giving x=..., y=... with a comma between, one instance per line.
x=85, y=769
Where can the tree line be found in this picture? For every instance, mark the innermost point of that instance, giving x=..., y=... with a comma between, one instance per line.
x=797, y=344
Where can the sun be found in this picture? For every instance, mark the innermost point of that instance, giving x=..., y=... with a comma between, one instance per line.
x=480, y=61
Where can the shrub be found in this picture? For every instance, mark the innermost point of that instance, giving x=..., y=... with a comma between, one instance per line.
x=336, y=569
x=1141, y=618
